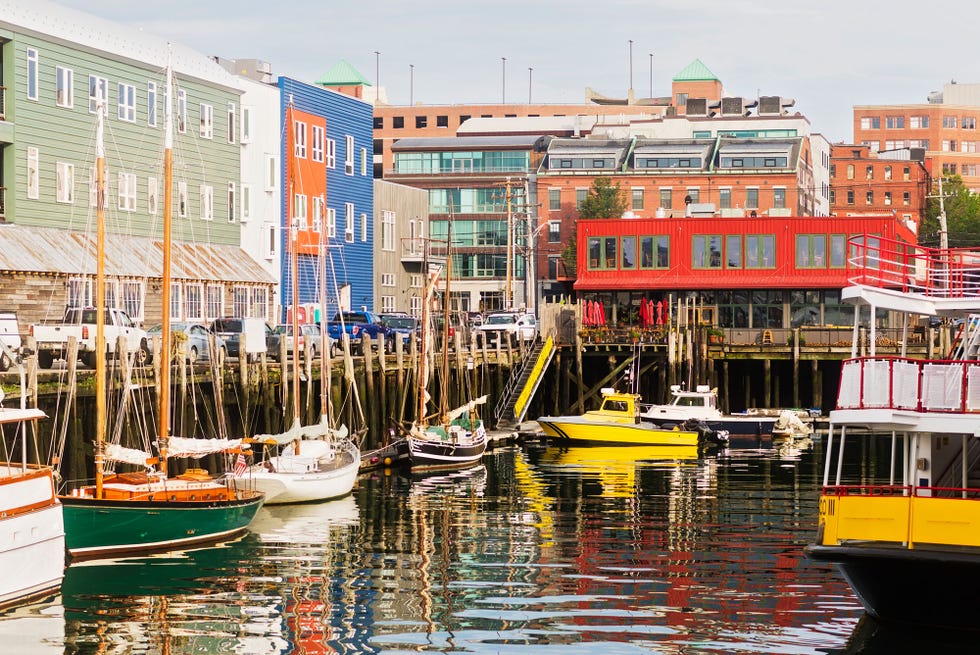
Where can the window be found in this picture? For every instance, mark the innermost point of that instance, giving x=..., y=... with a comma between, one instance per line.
x=379, y=122
x=838, y=247
x=152, y=193
x=554, y=263
x=637, y=199
x=811, y=251
x=331, y=153
x=580, y=196
x=554, y=231
x=241, y=301
x=300, y=219
x=127, y=192
x=894, y=122
x=554, y=199
x=331, y=223
x=850, y=197
x=66, y=182
x=127, y=102
x=132, y=298
x=665, y=198
x=779, y=198
x=760, y=251
x=80, y=292
x=98, y=93
x=906, y=198
x=246, y=124
x=207, y=121
x=215, y=301
x=442, y=121
x=693, y=195
x=64, y=80
x=752, y=198
x=151, y=104
x=398, y=122
x=888, y=172
x=207, y=202
x=725, y=198
x=231, y=122
x=316, y=143
x=182, y=199
x=869, y=198
x=299, y=139
x=387, y=303
x=181, y=111
x=388, y=230
x=706, y=251
x=93, y=186
x=176, y=303
x=733, y=251
x=968, y=123
x=317, y=215
x=246, y=203
x=850, y=171
x=628, y=252
x=654, y=251
x=869, y=172
x=918, y=122
x=32, y=74
x=833, y=197
x=349, y=155
x=231, y=202
x=421, y=121
x=950, y=122
x=349, y=222
x=194, y=302
x=270, y=245
x=33, y=177
x=364, y=160
x=602, y=253
x=271, y=172
x=870, y=122
x=364, y=227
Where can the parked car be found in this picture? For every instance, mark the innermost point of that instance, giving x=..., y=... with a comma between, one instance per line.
x=511, y=325
x=400, y=326
x=193, y=340
x=356, y=325
x=231, y=329
x=310, y=337
x=10, y=336
x=51, y=339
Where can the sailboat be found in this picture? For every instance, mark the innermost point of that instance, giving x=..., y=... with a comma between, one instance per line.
x=32, y=534
x=451, y=438
x=145, y=511
x=317, y=462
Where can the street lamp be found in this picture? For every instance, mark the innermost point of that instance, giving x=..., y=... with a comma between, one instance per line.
x=377, y=76
x=529, y=72
x=411, y=84
x=631, y=65
x=651, y=74
x=503, y=82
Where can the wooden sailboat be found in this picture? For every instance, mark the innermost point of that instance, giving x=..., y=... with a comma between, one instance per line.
x=448, y=439
x=147, y=510
x=32, y=534
x=317, y=462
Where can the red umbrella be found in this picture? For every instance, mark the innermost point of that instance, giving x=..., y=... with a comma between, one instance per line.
x=602, y=314
x=660, y=312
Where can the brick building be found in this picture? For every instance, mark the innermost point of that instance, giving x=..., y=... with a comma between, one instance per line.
x=889, y=182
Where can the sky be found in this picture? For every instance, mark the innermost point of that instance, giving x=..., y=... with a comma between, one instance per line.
x=827, y=55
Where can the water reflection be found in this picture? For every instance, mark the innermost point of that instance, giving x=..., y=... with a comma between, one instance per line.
x=537, y=550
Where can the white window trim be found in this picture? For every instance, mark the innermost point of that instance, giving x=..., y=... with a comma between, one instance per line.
x=65, y=79
x=271, y=172
x=232, y=128
x=364, y=227
x=349, y=222
x=207, y=121
x=349, y=155
x=126, y=102
x=33, y=173
x=182, y=209
x=98, y=92
x=270, y=240
x=127, y=192
x=65, y=192
x=316, y=143
x=331, y=147
x=151, y=104
x=246, y=127
x=181, y=111
x=152, y=195
x=232, y=202
x=207, y=202
x=331, y=223
x=33, y=73
x=246, y=203
x=299, y=139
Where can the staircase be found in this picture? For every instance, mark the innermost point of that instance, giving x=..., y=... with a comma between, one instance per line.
x=967, y=344
x=512, y=406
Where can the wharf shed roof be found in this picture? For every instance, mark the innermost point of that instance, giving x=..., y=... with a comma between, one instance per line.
x=51, y=251
x=520, y=142
x=76, y=28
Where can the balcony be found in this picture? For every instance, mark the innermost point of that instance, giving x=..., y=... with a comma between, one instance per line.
x=418, y=250
x=911, y=385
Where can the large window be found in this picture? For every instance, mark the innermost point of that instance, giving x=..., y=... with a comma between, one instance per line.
x=299, y=140
x=811, y=251
x=494, y=161
x=628, y=251
x=98, y=93
x=602, y=253
x=655, y=251
x=388, y=230
x=127, y=191
x=554, y=231
x=64, y=80
x=127, y=102
x=760, y=251
x=706, y=251
x=838, y=250
x=733, y=251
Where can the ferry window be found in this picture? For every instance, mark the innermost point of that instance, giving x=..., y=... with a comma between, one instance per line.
x=733, y=251
x=760, y=251
x=706, y=251
x=628, y=245
x=838, y=246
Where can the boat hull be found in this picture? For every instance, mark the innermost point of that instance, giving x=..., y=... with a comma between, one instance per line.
x=32, y=534
x=433, y=455
x=577, y=430
x=898, y=586
x=101, y=528
x=281, y=488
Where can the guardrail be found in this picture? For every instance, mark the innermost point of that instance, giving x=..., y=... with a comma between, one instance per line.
x=892, y=264
x=908, y=384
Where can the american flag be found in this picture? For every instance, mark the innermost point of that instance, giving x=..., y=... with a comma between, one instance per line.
x=241, y=466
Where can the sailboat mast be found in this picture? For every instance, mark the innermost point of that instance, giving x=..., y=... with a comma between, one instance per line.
x=294, y=266
x=100, y=345
x=446, y=310
x=168, y=145
x=324, y=337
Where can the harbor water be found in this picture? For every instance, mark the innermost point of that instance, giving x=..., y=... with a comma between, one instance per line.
x=538, y=550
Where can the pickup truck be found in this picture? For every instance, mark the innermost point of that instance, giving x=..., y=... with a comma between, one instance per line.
x=356, y=325
x=515, y=326
x=51, y=340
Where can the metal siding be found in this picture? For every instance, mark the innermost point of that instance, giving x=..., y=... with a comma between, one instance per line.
x=351, y=263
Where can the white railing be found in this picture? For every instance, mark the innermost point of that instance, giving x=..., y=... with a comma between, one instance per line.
x=906, y=384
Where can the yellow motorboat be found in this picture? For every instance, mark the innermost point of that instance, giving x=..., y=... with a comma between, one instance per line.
x=616, y=423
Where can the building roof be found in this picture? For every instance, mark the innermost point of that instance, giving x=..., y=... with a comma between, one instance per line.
x=343, y=74
x=53, y=251
x=55, y=22
x=524, y=142
x=696, y=71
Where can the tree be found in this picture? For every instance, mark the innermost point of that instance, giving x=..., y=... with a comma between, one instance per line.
x=962, y=208
x=605, y=200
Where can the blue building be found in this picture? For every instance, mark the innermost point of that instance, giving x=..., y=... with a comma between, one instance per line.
x=328, y=196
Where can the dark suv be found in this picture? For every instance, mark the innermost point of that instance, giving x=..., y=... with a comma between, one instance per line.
x=231, y=329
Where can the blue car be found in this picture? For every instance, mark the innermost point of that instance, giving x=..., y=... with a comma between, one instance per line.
x=193, y=340
x=402, y=326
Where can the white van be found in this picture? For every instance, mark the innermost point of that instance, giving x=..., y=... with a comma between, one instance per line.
x=10, y=336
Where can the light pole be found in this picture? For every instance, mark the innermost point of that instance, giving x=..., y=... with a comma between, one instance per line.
x=503, y=80
x=631, y=66
x=411, y=84
x=530, y=71
x=377, y=76
x=651, y=74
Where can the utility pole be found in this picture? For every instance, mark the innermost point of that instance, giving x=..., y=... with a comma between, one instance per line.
x=510, y=249
x=943, y=231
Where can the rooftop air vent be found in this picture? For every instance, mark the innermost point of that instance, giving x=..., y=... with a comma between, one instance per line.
x=774, y=105
x=697, y=107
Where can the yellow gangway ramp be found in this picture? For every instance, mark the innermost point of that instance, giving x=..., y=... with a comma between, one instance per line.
x=540, y=365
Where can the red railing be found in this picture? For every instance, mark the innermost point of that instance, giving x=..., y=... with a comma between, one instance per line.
x=892, y=264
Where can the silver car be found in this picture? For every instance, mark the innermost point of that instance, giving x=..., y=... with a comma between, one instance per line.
x=192, y=339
